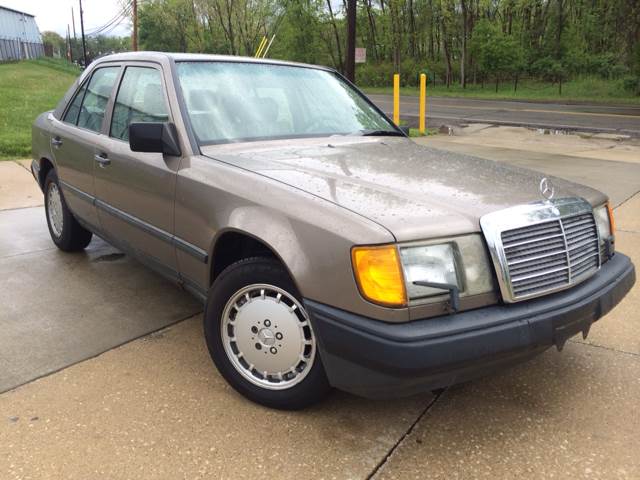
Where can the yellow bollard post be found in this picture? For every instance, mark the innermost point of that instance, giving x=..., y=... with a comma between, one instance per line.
x=423, y=103
x=396, y=98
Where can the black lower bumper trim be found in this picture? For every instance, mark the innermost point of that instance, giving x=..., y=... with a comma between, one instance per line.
x=378, y=359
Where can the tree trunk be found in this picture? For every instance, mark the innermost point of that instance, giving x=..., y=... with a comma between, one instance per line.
x=372, y=26
x=447, y=53
x=432, y=28
x=350, y=55
x=463, y=53
x=396, y=33
x=335, y=32
x=412, y=29
x=560, y=29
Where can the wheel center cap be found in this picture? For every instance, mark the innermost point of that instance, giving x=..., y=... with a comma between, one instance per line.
x=266, y=337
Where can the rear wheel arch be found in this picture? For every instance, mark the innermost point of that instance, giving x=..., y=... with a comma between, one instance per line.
x=46, y=166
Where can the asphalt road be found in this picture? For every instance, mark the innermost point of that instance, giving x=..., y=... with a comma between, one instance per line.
x=443, y=110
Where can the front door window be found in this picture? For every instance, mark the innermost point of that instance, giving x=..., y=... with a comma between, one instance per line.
x=140, y=99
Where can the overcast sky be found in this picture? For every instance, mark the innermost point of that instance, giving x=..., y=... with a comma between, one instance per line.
x=56, y=14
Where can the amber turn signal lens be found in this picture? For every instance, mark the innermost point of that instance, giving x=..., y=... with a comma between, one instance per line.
x=379, y=275
x=612, y=222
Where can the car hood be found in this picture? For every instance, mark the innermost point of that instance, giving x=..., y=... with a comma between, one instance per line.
x=413, y=190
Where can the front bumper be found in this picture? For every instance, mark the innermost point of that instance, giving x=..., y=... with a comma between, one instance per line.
x=376, y=359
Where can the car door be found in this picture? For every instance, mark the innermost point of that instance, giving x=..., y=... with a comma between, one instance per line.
x=135, y=190
x=77, y=138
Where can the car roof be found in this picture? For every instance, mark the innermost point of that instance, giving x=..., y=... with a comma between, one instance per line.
x=200, y=57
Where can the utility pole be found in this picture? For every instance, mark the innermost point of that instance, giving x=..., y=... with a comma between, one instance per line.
x=350, y=60
x=69, y=55
x=75, y=38
x=134, y=38
x=73, y=22
x=84, y=44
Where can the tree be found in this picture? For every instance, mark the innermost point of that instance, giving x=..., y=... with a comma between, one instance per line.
x=569, y=37
x=159, y=26
x=498, y=54
x=58, y=44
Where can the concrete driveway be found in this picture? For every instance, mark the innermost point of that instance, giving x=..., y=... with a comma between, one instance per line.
x=156, y=408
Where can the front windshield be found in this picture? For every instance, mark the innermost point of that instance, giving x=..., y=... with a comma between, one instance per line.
x=235, y=102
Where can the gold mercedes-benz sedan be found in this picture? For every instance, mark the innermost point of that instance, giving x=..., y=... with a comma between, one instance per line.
x=328, y=248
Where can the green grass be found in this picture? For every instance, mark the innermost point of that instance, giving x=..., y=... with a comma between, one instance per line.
x=27, y=89
x=592, y=90
x=414, y=132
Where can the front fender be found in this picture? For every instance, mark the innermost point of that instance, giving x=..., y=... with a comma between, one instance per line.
x=274, y=230
x=312, y=237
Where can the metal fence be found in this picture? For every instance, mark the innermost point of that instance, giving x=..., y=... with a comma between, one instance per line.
x=16, y=49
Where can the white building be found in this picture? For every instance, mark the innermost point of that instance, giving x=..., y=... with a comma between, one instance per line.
x=19, y=35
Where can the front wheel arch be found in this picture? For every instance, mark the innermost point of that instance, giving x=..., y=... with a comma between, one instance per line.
x=233, y=245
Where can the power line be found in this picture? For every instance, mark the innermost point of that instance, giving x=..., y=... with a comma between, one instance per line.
x=118, y=14
x=113, y=22
x=111, y=26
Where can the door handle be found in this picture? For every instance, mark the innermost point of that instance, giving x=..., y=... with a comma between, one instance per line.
x=102, y=160
x=56, y=141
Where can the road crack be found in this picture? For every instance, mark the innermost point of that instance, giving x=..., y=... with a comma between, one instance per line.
x=406, y=434
x=611, y=349
x=626, y=200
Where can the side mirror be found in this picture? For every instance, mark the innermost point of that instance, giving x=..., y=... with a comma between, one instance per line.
x=160, y=137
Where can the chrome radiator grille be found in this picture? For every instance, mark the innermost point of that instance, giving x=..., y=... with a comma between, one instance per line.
x=542, y=248
x=549, y=255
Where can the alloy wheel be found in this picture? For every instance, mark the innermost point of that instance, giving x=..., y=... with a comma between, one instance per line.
x=267, y=336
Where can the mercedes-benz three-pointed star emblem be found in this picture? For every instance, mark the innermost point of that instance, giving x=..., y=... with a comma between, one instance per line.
x=546, y=189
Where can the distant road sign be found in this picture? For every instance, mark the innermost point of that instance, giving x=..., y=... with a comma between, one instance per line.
x=361, y=55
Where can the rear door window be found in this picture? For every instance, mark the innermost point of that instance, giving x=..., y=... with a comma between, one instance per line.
x=140, y=99
x=74, y=109
x=94, y=104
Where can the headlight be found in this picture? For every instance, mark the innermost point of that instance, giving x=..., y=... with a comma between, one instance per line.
x=606, y=229
x=461, y=261
x=604, y=217
x=432, y=263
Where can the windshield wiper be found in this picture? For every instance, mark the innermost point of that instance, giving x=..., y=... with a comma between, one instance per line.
x=380, y=133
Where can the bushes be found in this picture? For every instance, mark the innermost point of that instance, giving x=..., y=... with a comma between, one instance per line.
x=374, y=75
x=631, y=84
x=381, y=74
x=594, y=70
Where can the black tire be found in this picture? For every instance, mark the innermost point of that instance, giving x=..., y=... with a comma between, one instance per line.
x=311, y=389
x=73, y=236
